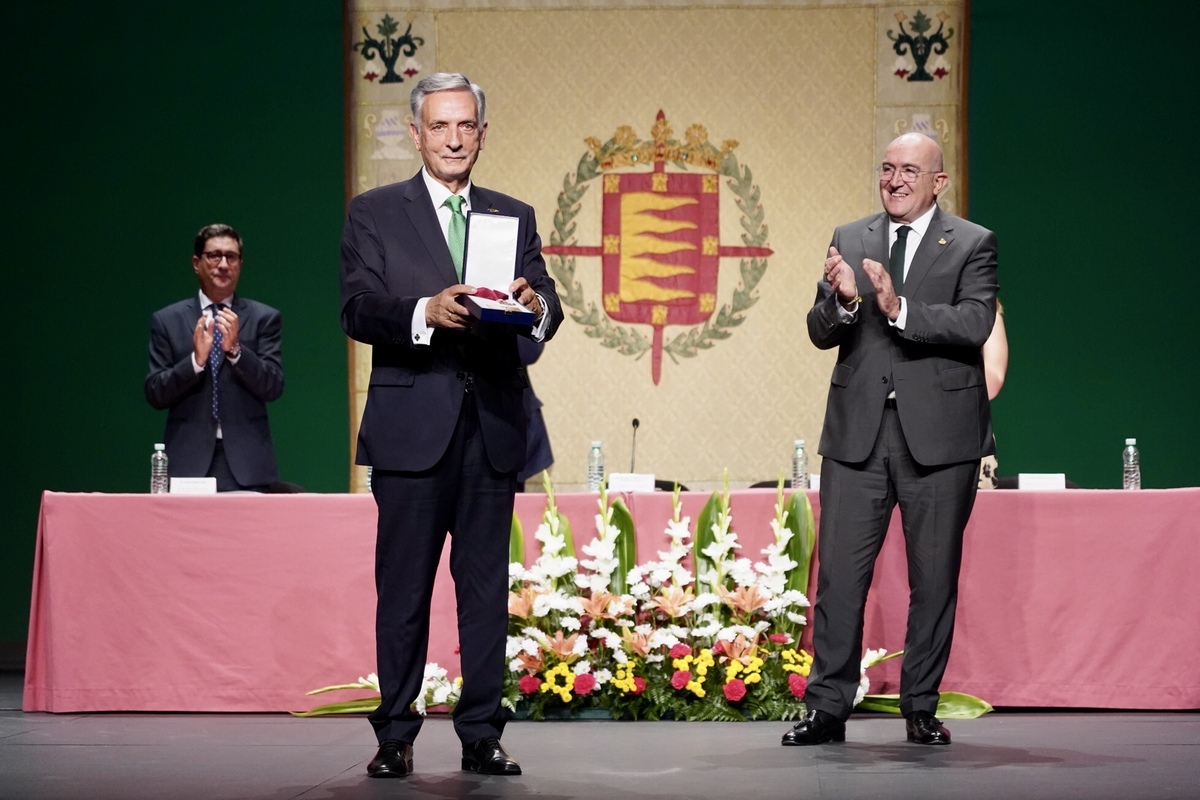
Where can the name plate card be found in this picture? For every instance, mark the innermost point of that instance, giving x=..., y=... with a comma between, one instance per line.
x=1041, y=481
x=193, y=485
x=630, y=482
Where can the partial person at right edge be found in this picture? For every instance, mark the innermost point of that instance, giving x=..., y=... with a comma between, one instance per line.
x=215, y=363
x=995, y=367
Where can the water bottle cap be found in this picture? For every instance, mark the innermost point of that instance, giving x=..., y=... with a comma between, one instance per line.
x=160, y=446
x=595, y=444
x=799, y=443
x=1130, y=441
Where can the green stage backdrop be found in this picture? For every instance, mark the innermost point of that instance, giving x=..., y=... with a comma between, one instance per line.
x=131, y=125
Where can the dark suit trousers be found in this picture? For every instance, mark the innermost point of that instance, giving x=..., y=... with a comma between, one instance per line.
x=856, y=506
x=462, y=495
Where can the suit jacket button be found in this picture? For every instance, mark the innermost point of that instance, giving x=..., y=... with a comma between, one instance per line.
x=460, y=376
x=883, y=379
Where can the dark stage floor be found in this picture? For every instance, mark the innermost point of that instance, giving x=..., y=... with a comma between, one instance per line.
x=1023, y=754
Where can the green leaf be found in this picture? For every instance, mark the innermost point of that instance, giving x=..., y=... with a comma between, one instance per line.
x=702, y=539
x=364, y=705
x=516, y=542
x=800, y=548
x=564, y=530
x=952, y=705
x=626, y=546
x=880, y=703
x=955, y=705
x=337, y=688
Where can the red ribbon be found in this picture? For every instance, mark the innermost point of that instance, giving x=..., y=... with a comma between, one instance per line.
x=490, y=294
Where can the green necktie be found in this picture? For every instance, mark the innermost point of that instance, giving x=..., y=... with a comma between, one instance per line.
x=896, y=259
x=458, y=232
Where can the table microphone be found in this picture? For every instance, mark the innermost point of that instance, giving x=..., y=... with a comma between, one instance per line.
x=633, y=443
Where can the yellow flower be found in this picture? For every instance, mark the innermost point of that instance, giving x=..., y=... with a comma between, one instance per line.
x=624, y=679
x=551, y=685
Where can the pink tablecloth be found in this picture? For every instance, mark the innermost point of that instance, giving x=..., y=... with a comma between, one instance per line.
x=245, y=602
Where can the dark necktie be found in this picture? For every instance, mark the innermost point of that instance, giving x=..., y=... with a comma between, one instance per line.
x=896, y=259
x=457, y=233
x=214, y=359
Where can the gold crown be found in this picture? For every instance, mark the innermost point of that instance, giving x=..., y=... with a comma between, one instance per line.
x=625, y=150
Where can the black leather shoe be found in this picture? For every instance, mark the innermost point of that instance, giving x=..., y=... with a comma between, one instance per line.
x=394, y=760
x=488, y=757
x=816, y=728
x=925, y=728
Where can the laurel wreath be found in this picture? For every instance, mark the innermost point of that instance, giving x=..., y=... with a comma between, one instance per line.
x=629, y=340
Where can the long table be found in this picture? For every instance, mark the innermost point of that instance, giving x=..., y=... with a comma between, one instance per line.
x=243, y=603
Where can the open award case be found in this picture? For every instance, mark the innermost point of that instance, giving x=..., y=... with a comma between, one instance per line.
x=490, y=261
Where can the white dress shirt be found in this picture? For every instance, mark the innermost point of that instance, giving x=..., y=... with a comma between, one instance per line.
x=422, y=334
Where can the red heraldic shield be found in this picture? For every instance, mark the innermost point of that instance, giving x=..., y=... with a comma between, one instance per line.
x=661, y=250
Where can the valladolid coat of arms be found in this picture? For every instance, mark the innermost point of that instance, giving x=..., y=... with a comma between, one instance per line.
x=660, y=246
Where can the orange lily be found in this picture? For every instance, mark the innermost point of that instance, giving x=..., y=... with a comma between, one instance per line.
x=746, y=599
x=533, y=663
x=521, y=605
x=740, y=649
x=672, y=601
x=639, y=643
x=596, y=606
x=563, y=648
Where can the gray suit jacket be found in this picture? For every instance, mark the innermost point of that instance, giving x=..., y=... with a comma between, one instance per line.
x=245, y=390
x=934, y=365
x=393, y=254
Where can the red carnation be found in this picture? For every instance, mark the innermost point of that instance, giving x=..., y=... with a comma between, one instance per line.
x=780, y=638
x=735, y=690
x=639, y=684
x=529, y=683
x=718, y=649
x=797, y=683
x=680, y=679
x=585, y=683
x=680, y=650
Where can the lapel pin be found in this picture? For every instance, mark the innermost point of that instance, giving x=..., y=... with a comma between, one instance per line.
x=942, y=240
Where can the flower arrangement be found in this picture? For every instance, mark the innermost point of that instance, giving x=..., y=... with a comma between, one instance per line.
x=699, y=633
x=662, y=639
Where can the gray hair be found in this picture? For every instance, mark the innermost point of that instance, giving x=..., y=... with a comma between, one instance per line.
x=444, y=82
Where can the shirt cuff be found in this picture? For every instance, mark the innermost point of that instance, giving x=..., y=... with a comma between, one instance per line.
x=902, y=317
x=422, y=334
x=538, y=333
x=844, y=314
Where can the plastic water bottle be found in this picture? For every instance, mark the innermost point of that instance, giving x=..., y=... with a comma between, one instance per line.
x=160, y=483
x=595, y=473
x=799, y=466
x=1133, y=470
x=370, y=470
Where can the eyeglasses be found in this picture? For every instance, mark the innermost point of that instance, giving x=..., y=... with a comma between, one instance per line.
x=907, y=174
x=214, y=257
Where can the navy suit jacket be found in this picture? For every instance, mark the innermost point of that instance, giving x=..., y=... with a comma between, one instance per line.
x=935, y=365
x=245, y=389
x=393, y=254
